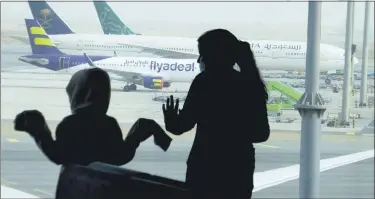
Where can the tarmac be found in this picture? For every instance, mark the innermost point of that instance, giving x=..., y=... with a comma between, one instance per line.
x=25, y=168
x=46, y=91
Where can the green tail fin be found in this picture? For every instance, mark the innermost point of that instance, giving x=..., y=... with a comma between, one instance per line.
x=110, y=22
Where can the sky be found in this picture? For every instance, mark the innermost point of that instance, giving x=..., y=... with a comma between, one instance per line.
x=250, y=20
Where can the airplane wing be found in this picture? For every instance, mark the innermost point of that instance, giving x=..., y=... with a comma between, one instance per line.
x=22, y=39
x=122, y=75
x=164, y=53
x=127, y=75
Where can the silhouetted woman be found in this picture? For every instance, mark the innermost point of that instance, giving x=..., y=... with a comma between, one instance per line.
x=88, y=134
x=229, y=108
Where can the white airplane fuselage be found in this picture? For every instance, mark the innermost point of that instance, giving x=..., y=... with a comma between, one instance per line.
x=170, y=70
x=270, y=55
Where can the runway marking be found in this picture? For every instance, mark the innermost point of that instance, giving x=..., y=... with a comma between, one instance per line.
x=12, y=140
x=7, y=192
x=8, y=182
x=274, y=177
x=41, y=191
x=11, y=183
x=267, y=146
x=351, y=133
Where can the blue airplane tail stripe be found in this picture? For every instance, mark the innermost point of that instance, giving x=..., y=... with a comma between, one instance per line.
x=39, y=41
x=48, y=18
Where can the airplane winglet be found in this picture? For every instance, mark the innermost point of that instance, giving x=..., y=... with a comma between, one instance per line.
x=115, y=53
x=89, y=61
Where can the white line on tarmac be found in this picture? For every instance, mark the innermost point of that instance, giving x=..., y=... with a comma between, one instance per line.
x=270, y=178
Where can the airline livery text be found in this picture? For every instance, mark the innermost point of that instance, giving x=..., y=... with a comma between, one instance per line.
x=159, y=66
x=276, y=46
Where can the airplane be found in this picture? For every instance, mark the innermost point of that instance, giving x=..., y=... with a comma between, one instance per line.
x=152, y=73
x=273, y=55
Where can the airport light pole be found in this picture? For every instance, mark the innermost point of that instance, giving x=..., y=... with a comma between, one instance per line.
x=344, y=117
x=363, y=95
x=353, y=51
x=311, y=108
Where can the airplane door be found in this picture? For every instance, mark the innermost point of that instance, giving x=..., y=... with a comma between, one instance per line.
x=64, y=62
x=79, y=46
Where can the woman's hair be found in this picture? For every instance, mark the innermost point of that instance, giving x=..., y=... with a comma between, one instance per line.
x=220, y=47
x=247, y=63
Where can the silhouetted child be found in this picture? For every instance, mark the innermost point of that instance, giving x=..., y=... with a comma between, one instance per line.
x=89, y=134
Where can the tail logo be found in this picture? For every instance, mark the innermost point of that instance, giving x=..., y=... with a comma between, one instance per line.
x=111, y=23
x=45, y=18
x=40, y=41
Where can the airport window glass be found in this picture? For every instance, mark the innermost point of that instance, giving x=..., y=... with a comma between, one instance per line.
x=278, y=42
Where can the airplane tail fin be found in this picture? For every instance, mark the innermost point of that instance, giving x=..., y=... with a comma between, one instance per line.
x=110, y=22
x=39, y=41
x=48, y=18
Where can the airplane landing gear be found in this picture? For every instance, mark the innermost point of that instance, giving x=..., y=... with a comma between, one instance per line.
x=131, y=87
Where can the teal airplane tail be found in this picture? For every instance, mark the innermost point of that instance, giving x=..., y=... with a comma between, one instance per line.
x=110, y=22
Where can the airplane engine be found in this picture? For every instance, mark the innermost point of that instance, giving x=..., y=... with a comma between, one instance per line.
x=153, y=82
x=328, y=81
